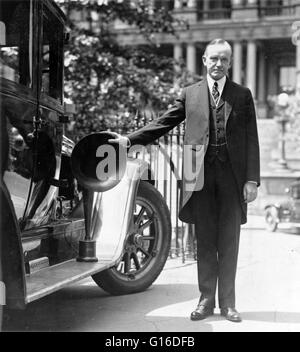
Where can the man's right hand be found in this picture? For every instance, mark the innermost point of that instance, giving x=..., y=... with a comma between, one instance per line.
x=122, y=140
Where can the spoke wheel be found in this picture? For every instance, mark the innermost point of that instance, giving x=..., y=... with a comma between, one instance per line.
x=141, y=245
x=146, y=248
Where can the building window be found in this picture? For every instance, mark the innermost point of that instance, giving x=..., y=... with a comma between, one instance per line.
x=273, y=8
x=52, y=58
x=276, y=7
x=16, y=41
x=214, y=9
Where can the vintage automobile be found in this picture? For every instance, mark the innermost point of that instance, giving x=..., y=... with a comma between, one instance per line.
x=284, y=211
x=59, y=221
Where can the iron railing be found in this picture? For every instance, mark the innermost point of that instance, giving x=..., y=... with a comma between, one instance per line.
x=165, y=160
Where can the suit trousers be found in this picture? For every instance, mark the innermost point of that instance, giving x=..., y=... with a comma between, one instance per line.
x=217, y=213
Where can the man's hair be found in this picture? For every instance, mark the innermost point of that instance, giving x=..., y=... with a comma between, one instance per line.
x=218, y=41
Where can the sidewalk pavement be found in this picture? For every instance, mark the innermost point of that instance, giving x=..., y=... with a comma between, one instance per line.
x=267, y=296
x=255, y=222
x=267, y=286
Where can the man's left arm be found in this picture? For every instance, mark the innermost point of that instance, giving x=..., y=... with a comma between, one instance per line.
x=252, y=152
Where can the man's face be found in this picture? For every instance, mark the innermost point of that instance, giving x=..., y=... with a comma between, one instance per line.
x=217, y=60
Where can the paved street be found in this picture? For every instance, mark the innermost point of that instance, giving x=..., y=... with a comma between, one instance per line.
x=268, y=291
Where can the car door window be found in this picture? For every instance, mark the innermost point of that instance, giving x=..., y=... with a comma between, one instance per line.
x=16, y=41
x=52, y=59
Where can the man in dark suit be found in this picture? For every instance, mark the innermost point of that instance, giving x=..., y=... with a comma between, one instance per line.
x=221, y=133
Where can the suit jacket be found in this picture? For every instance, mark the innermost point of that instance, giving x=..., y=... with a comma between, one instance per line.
x=241, y=137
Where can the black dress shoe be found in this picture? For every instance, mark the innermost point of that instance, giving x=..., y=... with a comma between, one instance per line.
x=202, y=312
x=231, y=314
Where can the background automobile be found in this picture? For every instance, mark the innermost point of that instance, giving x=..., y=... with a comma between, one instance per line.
x=285, y=210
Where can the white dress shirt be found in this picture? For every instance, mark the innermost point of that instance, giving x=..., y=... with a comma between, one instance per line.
x=221, y=83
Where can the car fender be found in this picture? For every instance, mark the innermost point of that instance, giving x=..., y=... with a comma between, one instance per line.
x=113, y=209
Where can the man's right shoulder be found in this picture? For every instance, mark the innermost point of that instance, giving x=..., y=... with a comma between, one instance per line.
x=194, y=85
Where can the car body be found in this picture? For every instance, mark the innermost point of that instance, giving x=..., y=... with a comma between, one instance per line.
x=281, y=202
x=57, y=229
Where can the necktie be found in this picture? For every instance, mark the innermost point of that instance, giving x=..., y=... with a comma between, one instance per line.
x=215, y=92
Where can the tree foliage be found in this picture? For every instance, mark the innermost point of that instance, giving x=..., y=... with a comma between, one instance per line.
x=112, y=85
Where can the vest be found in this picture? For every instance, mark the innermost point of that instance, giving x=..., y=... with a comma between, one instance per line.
x=217, y=147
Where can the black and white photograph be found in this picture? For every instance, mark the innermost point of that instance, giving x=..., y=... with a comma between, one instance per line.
x=150, y=169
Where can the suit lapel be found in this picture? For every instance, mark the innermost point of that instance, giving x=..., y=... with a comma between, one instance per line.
x=229, y=97
x=204, y=100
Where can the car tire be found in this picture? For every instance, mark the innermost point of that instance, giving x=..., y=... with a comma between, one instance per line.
x=146, y=249
x=271, y=218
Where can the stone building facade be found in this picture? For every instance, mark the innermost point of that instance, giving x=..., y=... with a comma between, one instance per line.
x=263, y=33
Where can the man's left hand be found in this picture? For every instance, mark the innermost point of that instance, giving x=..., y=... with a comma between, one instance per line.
x=250, y=192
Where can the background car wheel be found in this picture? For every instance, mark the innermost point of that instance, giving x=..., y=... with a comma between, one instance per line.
x=146, y=249
x=272, y=219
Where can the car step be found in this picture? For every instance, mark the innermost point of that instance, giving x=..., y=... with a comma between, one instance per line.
x=53, y=278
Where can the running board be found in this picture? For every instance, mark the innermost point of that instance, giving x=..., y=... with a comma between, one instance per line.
x=51, y=279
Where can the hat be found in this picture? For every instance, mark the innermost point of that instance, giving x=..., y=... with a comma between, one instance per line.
x=97, y=164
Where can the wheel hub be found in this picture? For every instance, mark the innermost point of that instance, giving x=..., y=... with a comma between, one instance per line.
x=138, y=239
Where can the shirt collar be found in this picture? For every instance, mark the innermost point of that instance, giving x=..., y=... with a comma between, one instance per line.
x=221, y=83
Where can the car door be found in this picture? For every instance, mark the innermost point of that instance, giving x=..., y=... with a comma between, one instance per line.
x=48, y=128
x=18, y=96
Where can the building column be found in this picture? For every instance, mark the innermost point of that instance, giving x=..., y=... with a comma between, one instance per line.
x=261, y=94
x=177, y=53
x=237, y=62
x=272, y=78
x=251, y=67
x=191, y=57
x=262, y=108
